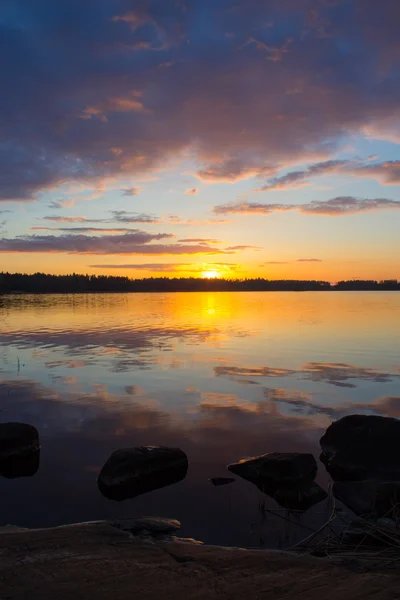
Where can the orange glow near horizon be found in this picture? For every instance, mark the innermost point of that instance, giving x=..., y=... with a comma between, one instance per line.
x=330, y=269
x=210, y=274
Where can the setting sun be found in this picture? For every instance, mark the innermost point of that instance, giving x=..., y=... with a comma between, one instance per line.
x=210, y=274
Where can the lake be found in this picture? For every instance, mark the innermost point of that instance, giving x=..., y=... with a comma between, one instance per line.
x=221, y=375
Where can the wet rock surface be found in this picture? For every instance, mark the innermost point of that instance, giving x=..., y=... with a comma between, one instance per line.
x=359, y=447
x=283, y=469
x=156, y=526
x=288, y=478
x=98, y=561
x=134, y=471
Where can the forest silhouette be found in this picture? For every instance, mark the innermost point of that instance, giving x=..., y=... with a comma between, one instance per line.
x=75, y=283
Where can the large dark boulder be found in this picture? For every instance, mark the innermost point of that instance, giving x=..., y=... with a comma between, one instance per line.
x=18, y=440
x=287, y=477
x=359, y=447
x=134, y=471
x=370, y=498
x=282, y=469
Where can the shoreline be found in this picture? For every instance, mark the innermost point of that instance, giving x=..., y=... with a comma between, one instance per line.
x=100, y=560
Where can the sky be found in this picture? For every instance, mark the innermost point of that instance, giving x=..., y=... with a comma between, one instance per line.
x=221, y=138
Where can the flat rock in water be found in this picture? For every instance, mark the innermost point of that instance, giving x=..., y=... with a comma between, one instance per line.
x=359, y=447
x=18, y=440
x=134, y=471
x=369, y=498
x=285, y=469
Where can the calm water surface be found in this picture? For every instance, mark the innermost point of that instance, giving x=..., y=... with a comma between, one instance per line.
x=221, y=375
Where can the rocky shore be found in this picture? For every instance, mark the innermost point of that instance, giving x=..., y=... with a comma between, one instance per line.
x=122, y=561
x=146, y=558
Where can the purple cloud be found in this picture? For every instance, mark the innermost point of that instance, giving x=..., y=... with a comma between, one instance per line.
x=158, y=267
x=87, y=229
x=95, y=99
x=388, y=173
x=130, y=243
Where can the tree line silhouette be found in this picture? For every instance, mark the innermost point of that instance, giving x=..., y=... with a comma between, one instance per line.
x=73, y=283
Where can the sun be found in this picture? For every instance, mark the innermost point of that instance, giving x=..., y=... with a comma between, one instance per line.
x=210, y=274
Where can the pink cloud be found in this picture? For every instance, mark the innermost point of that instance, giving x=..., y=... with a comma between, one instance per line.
x=191, y=192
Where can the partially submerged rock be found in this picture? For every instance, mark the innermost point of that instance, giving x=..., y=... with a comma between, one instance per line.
x=18, y=440
x=288, y=477
x=19, y=450
x=25, y=466
x=370, y=498
x=283, y=469
x=218, y=481
x=134, y=471
x=359, y=447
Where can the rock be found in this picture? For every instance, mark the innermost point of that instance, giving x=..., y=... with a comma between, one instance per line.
x=282, y=469
x=25, y=466
x=17, y=440
x=148, y=525
x=134, y=471
x=359, y=447
x=298, y=498
x=217, y=481
x=370, y=498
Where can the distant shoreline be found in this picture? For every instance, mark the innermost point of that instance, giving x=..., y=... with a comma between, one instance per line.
x=41, y=283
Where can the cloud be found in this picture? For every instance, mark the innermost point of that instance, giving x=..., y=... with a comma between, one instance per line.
x=200, y=241
x=132, y=191
x=342, y=205
x=387, y=173
x=92, y=102
x=295, y=179
x=123, y=216
x=62, y=219
x=233, y=170
x=57, y=204
x=86, y=229
x=301, y=403
x=275, y=262
x=191, y=192
x=83, y=244
x=243, y=247
x=348, y=205
x=337, y=374
x=129, y=243
x=308, y=260
x=175, y=220
x=159, y=267
x=119, y=216
x=249, y=208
